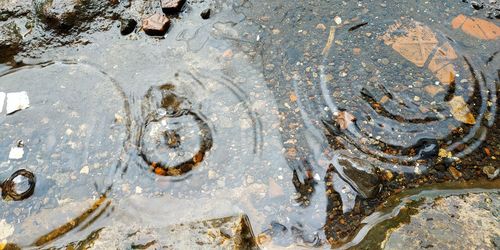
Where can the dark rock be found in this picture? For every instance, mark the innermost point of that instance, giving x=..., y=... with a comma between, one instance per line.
x=65, y=15
x=476, y=5
x=172, y=6
x=14, y=8
x=358, y=173
x=156, y=25
x=205, y=14
x=127, y=26
x=10, y=41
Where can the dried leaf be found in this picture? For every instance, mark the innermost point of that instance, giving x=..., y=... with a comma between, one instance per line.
x=460, y=110
x=345, y=119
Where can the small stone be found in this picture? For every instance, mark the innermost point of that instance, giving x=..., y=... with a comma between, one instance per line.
x=356, y=51
x=205, y=14
x=454, y=172
x=433, y=90
x=416, y=98
x=388, y=175
x=85, y=170
x=172, y=6
x=17, y=101
x=384, y=61
x=337, y=20
x=138, y=190
x=156, y=25
x=227, y=54
x=491, y=172
x=320, y=26
x=127, y=26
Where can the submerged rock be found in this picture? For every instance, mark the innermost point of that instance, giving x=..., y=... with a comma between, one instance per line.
x=454, y=222
x=234, y=232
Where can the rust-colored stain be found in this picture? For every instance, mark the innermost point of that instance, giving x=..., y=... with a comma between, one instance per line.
x=476, y=27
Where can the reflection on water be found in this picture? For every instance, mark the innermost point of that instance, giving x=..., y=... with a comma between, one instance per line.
x=305, y=117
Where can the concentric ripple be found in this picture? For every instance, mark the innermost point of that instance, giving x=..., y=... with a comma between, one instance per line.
x=175, y=138
x=73, y=133
x=409, y=97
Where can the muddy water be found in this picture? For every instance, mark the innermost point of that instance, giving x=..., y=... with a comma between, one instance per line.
x=304, y=116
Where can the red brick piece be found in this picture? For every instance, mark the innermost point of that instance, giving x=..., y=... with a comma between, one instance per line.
x=172, y=6
x=156, y=25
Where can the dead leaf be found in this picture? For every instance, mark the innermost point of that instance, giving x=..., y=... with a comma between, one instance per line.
x=460, y=110
x=293, y=97
x=345, y=119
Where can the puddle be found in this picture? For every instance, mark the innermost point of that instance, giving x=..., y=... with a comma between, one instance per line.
x=304, y=119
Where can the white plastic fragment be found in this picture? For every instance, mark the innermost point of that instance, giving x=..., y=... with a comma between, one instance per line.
x=17, y=101
x=2, y=100
x=6, y=230
x=16, y=153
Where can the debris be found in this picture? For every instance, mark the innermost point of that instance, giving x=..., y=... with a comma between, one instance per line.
x=172, y=6
x=344, y=119
x=205, y=14
x=355, y=27
x=2, y=100
x=17, y=101
x=6, y=230
x=356, y=51
x=454, y=172
x=293, y=97
x=138, y=190
x=337, y=20
x=491, y=172
x=274, y=189
x=85, y=170
x=329, y=42
x=460, y=110
x=127, y=26
x=320, y=26
x=16, y=153
x=227, y=54
x=476, y=27
x=156, y=25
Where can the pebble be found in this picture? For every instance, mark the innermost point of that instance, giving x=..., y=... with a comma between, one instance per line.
x=6, y=230
x=172, y=6
x=337, y=20
x=156, y=25
x=85, y=170
x=127, y=26
x=138, y=190
x=205, y=14
x=384, y=61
